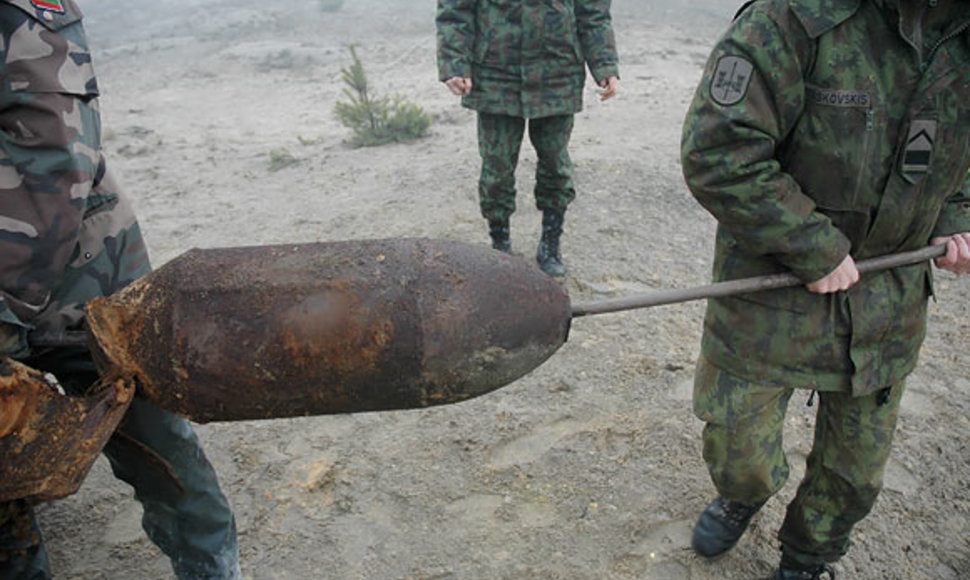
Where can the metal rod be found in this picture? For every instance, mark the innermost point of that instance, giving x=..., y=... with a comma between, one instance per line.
x=720, y=289
x=745, y=285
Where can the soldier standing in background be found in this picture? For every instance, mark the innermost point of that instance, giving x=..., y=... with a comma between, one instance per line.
x=68, y=235
x=822, y=132
x=519, y=63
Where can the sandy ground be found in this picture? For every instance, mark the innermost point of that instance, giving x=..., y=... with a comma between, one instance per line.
x=587, y=468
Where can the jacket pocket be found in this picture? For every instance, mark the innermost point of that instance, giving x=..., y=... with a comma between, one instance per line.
x=835, y=131
x=559, y=34
x=498, y=31
x=108, y=214
x=731, y=263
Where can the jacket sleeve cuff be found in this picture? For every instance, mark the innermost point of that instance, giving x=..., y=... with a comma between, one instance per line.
x=454, y=69
x=821, y=258
x=604, y=71
x=13, y=334
x=954, y=219
x=7, y=315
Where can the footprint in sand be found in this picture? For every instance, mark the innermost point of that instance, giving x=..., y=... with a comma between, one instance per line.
x=530, y=447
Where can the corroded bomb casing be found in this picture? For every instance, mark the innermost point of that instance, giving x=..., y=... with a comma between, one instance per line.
x=293, y=330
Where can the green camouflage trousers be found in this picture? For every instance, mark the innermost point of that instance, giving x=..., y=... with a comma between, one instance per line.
x=499, y=142
x=744, y=454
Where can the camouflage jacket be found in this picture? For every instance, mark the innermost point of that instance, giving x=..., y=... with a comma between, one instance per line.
x=820, y=129
x=525, y=58
x=66, y=233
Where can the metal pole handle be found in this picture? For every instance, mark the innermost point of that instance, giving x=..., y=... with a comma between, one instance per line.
x=745, y=285
x=720, y=289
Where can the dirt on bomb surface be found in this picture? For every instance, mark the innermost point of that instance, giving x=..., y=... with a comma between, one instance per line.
x=590, y=466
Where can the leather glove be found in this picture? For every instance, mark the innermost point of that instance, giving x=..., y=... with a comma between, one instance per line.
x=13, y=341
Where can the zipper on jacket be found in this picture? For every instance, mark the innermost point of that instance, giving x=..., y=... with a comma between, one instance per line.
x=946, y=37
x=870, y=119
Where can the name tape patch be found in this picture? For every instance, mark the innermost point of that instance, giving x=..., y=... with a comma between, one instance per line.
x=836, y=98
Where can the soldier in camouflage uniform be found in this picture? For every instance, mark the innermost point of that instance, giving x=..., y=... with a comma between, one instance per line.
x=523, y=63
x=68, y=235
x=823, y=131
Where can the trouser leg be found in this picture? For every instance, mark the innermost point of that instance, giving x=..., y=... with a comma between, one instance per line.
x=554, y=171
x=22, y=553
x=844, y=473
x=158, y=453
x=194, y=525
x=742, y=436
x=499, y=143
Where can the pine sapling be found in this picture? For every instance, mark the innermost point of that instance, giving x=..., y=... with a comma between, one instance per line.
x=376, y=120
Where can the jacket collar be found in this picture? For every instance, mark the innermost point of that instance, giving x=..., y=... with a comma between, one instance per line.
x=820, y=16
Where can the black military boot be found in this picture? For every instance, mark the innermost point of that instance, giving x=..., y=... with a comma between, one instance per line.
x=548, y=253
x=789, y=571
x=720, y=526
x=499, y=230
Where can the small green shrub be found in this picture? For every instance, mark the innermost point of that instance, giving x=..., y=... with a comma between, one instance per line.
x=376, y=121
x=307, y=141
x=281, y=158
x=330, y=5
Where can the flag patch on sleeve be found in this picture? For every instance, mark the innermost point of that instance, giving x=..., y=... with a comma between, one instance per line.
x=52, y=5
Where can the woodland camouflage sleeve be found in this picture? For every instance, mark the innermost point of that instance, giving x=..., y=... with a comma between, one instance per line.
x=955, y=216
x=48, y=158
x=455, y=23
x=596, y=37
x=749, y=98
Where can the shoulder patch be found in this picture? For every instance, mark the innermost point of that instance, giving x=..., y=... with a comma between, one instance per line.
x=729, y=83
x=51, y=14
x=52, y=5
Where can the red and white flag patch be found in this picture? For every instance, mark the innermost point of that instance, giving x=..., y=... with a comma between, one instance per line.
x=52, y=5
